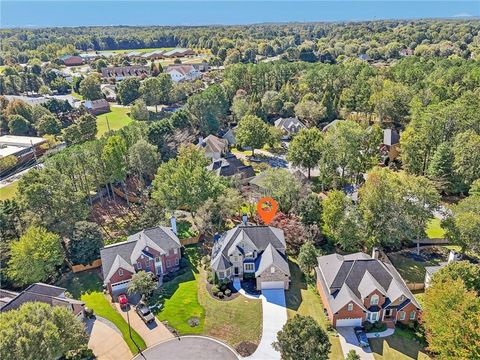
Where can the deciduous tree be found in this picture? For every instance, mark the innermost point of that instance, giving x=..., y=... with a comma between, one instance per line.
x=252, y=132
x=84, y=243
x=305, y=150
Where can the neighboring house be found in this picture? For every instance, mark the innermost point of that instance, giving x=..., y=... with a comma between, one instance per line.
x=430, y=270
x=213, y=146
x=252, y=251
x=154, y=55
x=178, y=52
x=183, y=72
x=229, y=166
x=72, y=60
x=134, y=54
x=356, y=288
x=89, y=57
x=331, y=124
x=156, y=250
x=289, y=126
x=390, y=148
x=97, y=107
x=65, y=75
x=109, y=92
x=24, y=148
x=39, y=292
x=230, y=136
x=123, y=72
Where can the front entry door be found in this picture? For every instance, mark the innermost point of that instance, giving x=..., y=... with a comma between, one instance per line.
x=235, y=270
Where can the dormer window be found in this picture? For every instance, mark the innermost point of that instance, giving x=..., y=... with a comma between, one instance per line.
x=374, y=300
x=120, y=272
x=272, y=269
x=402, y=298
x=146, y=248
x=350, y=307
x=139, y=266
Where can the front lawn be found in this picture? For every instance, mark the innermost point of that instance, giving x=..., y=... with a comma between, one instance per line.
x=397, y=347
x=303, y=299
x=87, y=287
x=9, y=191
x=117, y=118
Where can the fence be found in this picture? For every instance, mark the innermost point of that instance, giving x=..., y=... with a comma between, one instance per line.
x=79, y=268
x=131, y=198
x=190, y=241
x=416, y=286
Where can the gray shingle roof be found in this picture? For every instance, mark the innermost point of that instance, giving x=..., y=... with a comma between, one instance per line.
x=230, y=166
x=160, y=235
x=213, y=144
x=353, y=277
x=290, y=125
x=270, y=257
x=260, y=236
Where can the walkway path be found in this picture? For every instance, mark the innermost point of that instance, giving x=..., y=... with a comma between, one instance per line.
x=374, y=335
x=349, y=341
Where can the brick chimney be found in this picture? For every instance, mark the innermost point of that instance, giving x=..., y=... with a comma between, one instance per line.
x=375, y=253
x=173, y=223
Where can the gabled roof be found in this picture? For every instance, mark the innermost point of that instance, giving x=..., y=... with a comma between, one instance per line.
x=213, y=144
x=343, y=297
x=290, y=125
x=182, y=69
x=331, y=124
x=362, y=275
x=270, y=257
x=390, y=137
x=230, y=165
x=125, y=253
x=259, y=236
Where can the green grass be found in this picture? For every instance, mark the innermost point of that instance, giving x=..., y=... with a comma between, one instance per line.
x=185, y=230
x=303, y=299
x=117, y=118
x=9, y=191
x=77, y=96
x=130, y=50
x=235, y=321
x=434, y=230
x=411, y=270
x=397, y=347
x=88, y=287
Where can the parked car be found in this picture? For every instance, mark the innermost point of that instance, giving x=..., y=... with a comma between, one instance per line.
x=144, y=312
x=122, y=300
x=362, y=337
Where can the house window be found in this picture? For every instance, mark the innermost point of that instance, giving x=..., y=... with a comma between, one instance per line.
x=412, y=315
x=139, y=266
x=374, y=300
x=272, y=270
x=146, y=248
x=176, y=261
x=228, y=272
x=235, y=258
x=402, y=298
x=350, y=307
x=249, y=267
x=120, y=272
x=157, y=259
x=221, y=275
x=169, y=263
x=374, y=316
x=402, y=315
x=175, y=251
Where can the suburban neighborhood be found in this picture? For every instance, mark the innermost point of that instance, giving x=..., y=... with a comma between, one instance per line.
x=271, y=188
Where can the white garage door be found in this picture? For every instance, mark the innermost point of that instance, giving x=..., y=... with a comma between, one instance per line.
x=349, y=322
x=272, y=285
x=123, y=285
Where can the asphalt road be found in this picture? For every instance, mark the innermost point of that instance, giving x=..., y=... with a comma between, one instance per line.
x=188, y=348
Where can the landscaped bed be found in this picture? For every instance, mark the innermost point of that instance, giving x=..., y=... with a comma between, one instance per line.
x=87, y=286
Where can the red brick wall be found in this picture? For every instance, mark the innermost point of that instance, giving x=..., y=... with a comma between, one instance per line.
x=171, y=256
x=381, y=299
x=146, y=260
x=407, y=309
x=116, y=277
x=324, y=298
x=343, y=313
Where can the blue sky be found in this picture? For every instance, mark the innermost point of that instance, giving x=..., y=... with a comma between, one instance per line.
x=40, y=13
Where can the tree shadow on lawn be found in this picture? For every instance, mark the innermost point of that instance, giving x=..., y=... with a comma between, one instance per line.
x=82, y=282
x=388, y=346
x=298, y=283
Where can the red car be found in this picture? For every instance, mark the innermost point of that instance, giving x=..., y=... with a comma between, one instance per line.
x=122, y=299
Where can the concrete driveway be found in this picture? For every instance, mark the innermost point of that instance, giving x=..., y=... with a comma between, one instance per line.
x=274, y=317
x=349, y=341
x=107, y=343
x=152, y=333
x=188, y=348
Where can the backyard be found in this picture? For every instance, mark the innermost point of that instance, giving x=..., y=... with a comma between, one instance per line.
x=303, y=299
x=186, y=297
x=87, y=286
x=113, y=120
x=401, y=346
x=8, y=192
x=434, y=230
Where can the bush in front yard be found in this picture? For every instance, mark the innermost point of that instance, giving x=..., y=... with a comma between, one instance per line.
x=88, y=312
x=228, y=292
x=375, y=327
x=215, y=290
x=211, y=278
x=220, y=295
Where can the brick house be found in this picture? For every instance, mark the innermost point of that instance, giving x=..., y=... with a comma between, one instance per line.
x=97, y=107
x=72, y=60
x=156, y=250
x=252, y=251
x=356, y=288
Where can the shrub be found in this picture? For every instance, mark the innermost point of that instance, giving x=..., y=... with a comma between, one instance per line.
x=88, y=312
x=228, y=292
x=215, y=290
x=220, y=295
x=193, y=321
x=223, y=287
x=211, y=278
x=205, y=260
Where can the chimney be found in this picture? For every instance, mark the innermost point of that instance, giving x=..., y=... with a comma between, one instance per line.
x=173, y=223
x=375, y=253
x=244, y=219
x=452, y=256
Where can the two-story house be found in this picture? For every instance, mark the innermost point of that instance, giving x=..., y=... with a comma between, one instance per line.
x=156, y=250
x=183, y=72
x=252, y=251
x=356, y=288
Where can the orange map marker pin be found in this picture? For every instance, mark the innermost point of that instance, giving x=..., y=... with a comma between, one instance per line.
x=266, y=209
